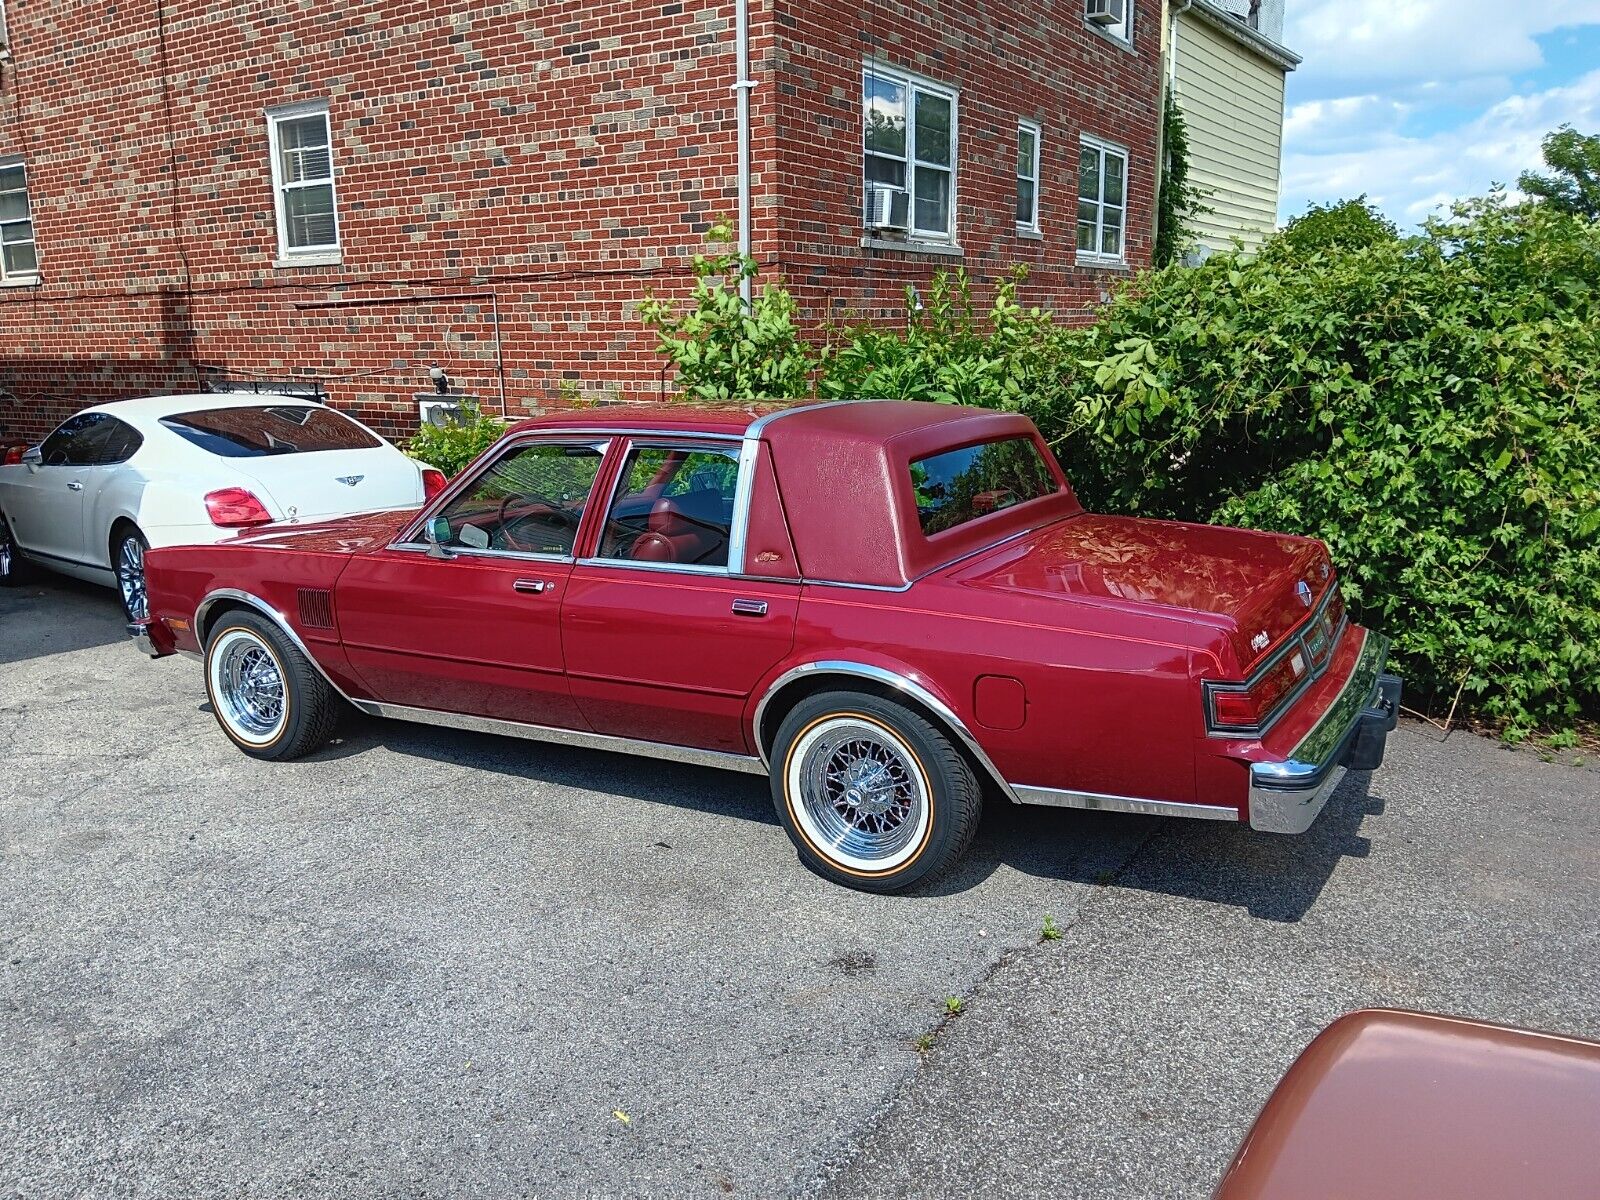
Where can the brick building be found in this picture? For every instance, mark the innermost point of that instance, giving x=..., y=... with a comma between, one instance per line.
x=353, y=190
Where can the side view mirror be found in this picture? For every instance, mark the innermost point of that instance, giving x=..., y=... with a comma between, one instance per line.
x=436, y=533
x=33, y=456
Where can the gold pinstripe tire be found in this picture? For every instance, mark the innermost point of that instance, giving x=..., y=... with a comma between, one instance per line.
x=873, y=795
x=268, y=698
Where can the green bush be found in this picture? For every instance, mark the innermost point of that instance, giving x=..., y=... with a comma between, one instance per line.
x=453, y=445
x=1430, y=407
x=1347, y=225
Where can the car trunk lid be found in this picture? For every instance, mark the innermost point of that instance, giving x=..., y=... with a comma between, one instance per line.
x=333, y=482
x=1263, y=584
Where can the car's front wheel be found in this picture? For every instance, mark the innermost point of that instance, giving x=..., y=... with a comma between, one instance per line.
x=266, y=694
x=873, y=794
x=127, y=559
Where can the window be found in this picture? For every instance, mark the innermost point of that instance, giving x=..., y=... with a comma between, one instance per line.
x=1114, y=18
x=302, y=182
x=5, y=38
x=530, y=501
x=910, y=143
x=1027, y=176
x=1102, y=200
x=91, y=439
x=252, y=432
x=674, y=505
x=19, y=258
x=962, y=485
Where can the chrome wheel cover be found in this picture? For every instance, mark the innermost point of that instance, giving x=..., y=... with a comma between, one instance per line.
x=858, y=793
x=130, y=578
x=247, y=687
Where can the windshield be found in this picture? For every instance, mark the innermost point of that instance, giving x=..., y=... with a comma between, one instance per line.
x=270, y=429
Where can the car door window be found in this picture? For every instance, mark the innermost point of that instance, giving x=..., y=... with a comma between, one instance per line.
x=674, y=506
x=530, y=500
x=77, y=441
x=120, y=443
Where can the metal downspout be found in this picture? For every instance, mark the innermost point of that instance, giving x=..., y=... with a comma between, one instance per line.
x=742, y=86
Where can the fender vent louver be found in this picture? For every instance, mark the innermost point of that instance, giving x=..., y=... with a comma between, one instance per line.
x=316, y=608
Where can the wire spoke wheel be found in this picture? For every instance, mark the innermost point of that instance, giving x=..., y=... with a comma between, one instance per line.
x=864, y=797
x=130, y=578
x=248, y=686
x=8, y=550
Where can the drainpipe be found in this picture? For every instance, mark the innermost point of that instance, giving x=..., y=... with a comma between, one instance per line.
x=1177, y=11
x=741, y=87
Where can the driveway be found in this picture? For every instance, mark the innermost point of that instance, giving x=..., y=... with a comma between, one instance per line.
x=428, y=963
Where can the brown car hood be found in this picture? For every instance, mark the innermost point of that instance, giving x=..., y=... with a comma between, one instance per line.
x=1252, y=580
x=1403, y=1106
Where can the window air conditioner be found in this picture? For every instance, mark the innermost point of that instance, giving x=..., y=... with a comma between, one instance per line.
x=1106, y=12
x=888, y=208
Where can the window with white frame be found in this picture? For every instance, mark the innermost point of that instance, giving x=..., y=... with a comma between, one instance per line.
x=5, y=37
x=910, y=145
x=1028, y=176
x=1102, y=200
x=19, y=257
x=1114, y=18
x=302, y=181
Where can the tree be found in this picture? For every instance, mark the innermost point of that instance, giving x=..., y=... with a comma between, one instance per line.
x=1344, y=225
x=1573, y=185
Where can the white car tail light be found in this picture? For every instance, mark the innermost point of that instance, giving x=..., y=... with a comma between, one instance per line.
x=235, y=507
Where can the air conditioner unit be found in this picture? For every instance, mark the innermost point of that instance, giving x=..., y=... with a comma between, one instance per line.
x=433, y=409
x=888, y=208
x=1106, y=12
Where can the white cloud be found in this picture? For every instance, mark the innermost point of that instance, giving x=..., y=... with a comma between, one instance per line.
x=1341, y=148
x=1380, y=45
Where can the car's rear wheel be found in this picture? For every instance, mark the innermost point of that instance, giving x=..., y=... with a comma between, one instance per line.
x=127, y=559
x=873, y=794
x=10, y=557
x=266, y=694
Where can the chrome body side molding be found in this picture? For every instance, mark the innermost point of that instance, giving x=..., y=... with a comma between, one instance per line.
x=890, y=679
x=261, y=607
x=1095, y=802
x=662, y=751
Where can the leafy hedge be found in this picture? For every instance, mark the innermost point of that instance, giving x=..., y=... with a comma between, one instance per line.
x=1429, y=406
x=454, y=444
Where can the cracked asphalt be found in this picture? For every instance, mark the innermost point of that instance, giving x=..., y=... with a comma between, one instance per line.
x=426, y=963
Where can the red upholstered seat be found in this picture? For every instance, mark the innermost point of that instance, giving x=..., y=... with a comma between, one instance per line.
x=673, y=537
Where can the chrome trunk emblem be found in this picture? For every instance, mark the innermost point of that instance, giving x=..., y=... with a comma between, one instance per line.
x=1303, y=590
x=1260, y=641
x=349, y=480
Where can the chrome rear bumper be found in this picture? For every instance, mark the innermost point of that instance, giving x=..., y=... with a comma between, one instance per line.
x=1287, y=796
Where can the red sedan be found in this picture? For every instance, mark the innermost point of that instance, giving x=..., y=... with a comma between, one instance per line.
x=894, y=609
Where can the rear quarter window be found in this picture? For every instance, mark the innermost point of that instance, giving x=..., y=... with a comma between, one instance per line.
x=957, y=486
x=261, y=431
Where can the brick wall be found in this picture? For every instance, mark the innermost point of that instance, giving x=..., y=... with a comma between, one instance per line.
x=549, y=161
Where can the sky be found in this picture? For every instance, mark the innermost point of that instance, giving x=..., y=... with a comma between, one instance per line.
x=1421, y=102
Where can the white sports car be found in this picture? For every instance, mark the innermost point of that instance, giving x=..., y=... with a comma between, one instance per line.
x=118, y=478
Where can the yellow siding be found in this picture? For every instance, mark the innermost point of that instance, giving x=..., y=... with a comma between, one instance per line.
x=1232, y=102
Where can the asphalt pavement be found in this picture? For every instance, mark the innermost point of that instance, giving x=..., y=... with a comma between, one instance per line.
x=427, y=963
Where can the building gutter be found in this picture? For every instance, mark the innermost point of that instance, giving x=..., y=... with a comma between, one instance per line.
x=1225, y=22
x=742, y=86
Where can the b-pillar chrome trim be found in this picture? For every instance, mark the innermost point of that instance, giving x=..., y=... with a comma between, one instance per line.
x=661, y=751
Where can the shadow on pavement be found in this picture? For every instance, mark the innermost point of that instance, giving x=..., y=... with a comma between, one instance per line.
x=51, y=614
x=1274, y=877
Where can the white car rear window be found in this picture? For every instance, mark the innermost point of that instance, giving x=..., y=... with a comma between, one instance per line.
x=271, y=429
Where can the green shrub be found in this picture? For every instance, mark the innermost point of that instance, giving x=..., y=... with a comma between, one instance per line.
x=1430, y=407
x=1347, y=225
x=722, y=350
x=453, y=445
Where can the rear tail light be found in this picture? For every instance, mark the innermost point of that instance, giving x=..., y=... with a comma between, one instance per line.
x=13, y=456
x=1241, y=708
x=234, y=508
x=433, y=482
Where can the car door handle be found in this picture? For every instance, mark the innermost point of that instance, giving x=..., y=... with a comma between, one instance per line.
x=74, y=486
x=749, y=608
x=532, y=587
